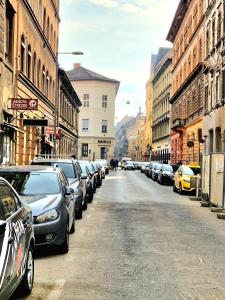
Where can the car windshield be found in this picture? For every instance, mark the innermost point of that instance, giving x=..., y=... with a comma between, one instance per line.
x=167, y=168
x=196, y=171
x=187, y=171
x=33, y=183
x=130, y=163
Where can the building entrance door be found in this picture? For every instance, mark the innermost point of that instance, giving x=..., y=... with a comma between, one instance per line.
x=103, y=152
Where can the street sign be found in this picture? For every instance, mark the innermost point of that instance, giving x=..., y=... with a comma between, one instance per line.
x=49, y=130
x=35, y=122
x=24, y=104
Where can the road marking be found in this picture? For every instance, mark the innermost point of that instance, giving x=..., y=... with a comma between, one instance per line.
x=56, y=293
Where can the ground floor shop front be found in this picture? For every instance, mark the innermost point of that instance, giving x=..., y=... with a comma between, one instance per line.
x=91, y=148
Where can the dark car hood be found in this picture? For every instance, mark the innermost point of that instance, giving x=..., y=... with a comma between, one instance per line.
x=41, y=203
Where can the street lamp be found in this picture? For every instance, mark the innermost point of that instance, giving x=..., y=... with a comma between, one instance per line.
x=57, y=89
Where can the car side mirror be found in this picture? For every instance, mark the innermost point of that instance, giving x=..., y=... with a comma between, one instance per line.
x=83, y=176
x=69, y=191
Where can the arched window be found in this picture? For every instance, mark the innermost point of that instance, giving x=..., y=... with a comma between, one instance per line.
x=29, y=62
x=200, y=51
x=40, y=12
x=22, y=53
x=54, y=41
x=34, y=69
x=50, y=88
x=51, y=35
x=47, y=29
x=43, y=79
x=39, y=74
x=44, y=21
x=47, y=84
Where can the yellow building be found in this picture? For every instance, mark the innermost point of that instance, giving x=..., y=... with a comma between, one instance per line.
x=148, y=108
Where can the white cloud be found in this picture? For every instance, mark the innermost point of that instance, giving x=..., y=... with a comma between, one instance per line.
x=105, y=3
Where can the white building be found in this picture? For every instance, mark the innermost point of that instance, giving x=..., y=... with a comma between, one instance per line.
x=97, y=114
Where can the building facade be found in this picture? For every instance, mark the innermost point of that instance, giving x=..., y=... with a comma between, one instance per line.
x=188, y=38
x=161, y=106
x=97, y=115
x=30, y=47
x=148, y=110
x=67, y=123
x=214, y=125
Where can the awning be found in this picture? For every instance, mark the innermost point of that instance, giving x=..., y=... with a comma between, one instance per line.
x=13, y=127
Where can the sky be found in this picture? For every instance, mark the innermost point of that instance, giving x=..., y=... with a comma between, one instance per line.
x=117, y=38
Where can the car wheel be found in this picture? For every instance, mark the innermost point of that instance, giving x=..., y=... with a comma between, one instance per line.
x=64, y=248
x=174, y=188
x=72, y=230
x=180, y=189
x=79, y=214
x=90, y=197
x=85, y=203
x=26, y=284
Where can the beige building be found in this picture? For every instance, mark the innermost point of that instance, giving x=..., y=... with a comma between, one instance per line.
x=135, y=135
x=97, y=115
x=29, y=63
x=161, y=106
x=148, y=109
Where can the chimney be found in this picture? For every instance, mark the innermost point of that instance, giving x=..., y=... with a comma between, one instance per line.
x=75, y=66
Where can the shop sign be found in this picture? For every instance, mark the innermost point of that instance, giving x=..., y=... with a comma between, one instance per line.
x=104, y=141
x=24, y=104
x=35, y=122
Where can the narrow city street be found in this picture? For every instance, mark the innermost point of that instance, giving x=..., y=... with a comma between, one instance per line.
x=137, y=240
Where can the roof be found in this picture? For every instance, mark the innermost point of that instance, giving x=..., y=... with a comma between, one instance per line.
x=52, y=160
x=178, y=19
x=28, y=168
x=79, y=73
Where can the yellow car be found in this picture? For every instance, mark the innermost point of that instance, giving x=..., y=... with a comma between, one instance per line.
x=182, y=178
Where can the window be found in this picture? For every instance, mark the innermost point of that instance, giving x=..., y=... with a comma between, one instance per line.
x=38, y=73
x=84, y=150
x=219, y=28
x=217, y=88
x=34, y=69
x=43, y=79
x=206, y=98
x=104, y=101
x=207, y=42
x=44, y=21
x=85, y=125
x=29, y=62
x=104, y=126
x=47, y=84
x=86, y=100
x=22, y=53
x=213, y=33
x=218, y=140
x=9, y=32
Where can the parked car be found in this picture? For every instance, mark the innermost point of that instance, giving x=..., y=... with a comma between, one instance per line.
x=104, y=164
x=129, y=165
x=123, y=161
x=155, y=171
x=16, y=243
x=166, y=175
x=98, y=172
x=89, y=180
x=72, y=170
x=93, y=175
x=143, y=167
x=47, y=191
x=150, y=168
x=147, y=169
x=182, y=178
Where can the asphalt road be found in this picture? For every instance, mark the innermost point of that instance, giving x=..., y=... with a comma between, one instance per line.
x=138, y=240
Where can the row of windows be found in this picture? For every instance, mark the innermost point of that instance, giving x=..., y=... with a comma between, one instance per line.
x=45, y=22
x=185, y=70
x=85, y=125
x=161, y=109
x=67, y=111
x=215, y=90
x=161, y=131
x=213, y=32
x=86, y=100
x=32, y=67
x=162, y=84
x=189, y=29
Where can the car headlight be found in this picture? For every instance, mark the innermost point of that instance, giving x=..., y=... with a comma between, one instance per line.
x=187, y=180
x=48, y=216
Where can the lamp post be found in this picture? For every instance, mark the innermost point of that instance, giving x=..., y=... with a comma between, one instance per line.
x=57, y=90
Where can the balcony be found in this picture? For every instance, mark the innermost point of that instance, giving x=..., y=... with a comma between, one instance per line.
x=177, y=123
